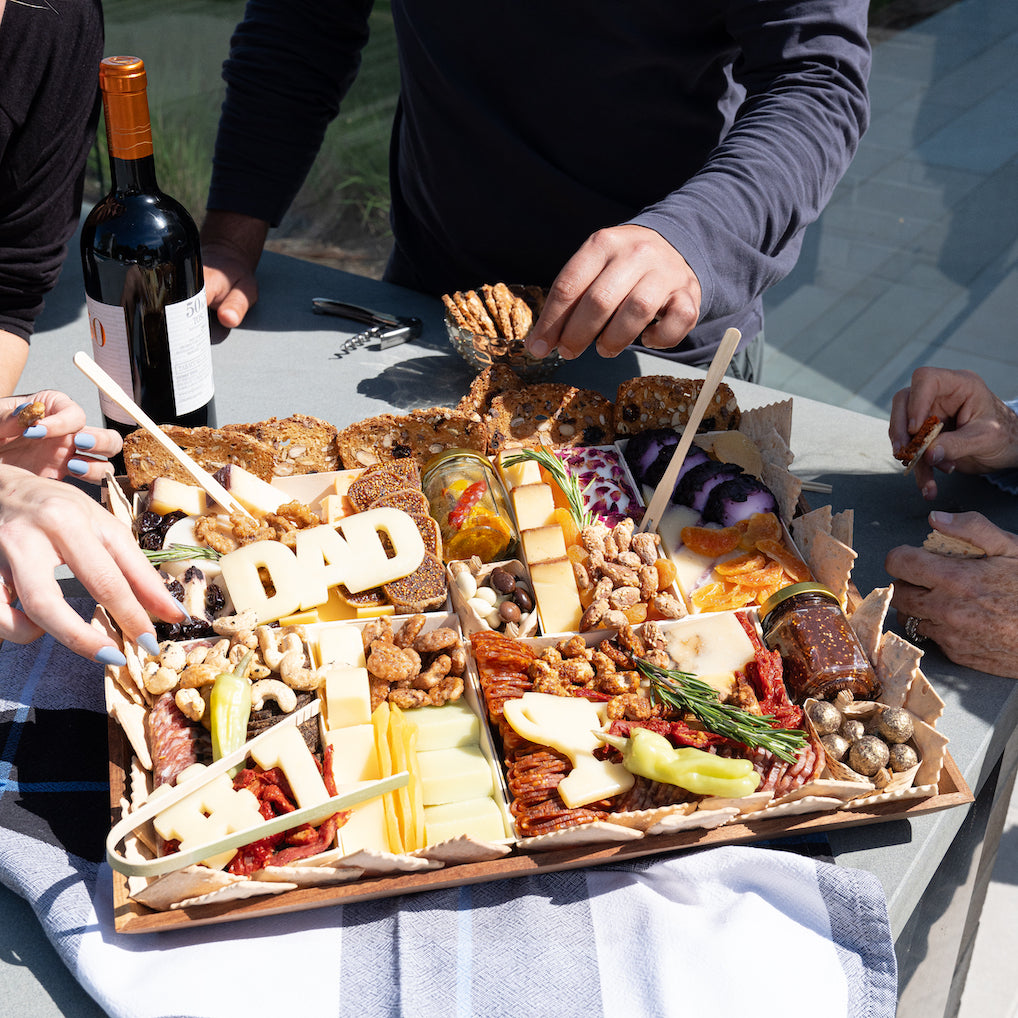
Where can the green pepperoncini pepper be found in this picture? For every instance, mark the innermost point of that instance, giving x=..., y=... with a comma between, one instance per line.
x=230, y=708
x=652, y=756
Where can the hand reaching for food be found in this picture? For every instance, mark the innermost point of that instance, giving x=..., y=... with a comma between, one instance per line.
x=963, y=603
x=231, y=246
x=624, y=283
x=44, y=524
x=46, y=435
x=980, y=431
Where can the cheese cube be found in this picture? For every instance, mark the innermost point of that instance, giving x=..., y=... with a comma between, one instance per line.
x=478, y=818
x=534, y=505
x=452, y=724
x=543, y=543
x=340, y=645
x=347, y=696
x=334, y=508
x=558, y=600
x=354, y=757
x=525, y=472
x=449, y=775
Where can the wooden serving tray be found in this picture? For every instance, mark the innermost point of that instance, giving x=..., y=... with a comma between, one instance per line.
x=130, y=917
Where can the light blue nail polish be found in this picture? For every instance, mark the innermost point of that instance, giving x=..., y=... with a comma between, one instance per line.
x=17, y=410
x=35, y=431
x=110, y=656
x=77, y=467
x=149, y=643
x=187, y=614
x=82, y=440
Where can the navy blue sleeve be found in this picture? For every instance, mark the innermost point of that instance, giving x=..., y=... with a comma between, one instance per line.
x=291, y=62
x=738, y=222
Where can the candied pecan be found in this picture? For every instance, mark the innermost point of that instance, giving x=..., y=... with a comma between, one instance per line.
x=620, y=575
x=592, y=537
x=436, y=640
x=434, y=673
x=577, y=670
x=629, y=706
x=573, y=646
x=450, y=688
x=388, y=662
x=631, y=641
x=407, y=699
x=622, y=533
x=653, y=636
x=618, y=682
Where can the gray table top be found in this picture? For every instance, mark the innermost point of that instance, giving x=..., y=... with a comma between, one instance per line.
x=285, y=359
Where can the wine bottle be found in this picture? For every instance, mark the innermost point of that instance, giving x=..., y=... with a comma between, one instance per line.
x=143, y=274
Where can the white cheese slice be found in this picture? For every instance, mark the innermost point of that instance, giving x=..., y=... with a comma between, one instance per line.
x=533, y=505
x=712, y=646
x=284, y=747
x=364, y=829
x=452, y=724
x=541, y=544
x=558, y=600
x=372, y=566
x=449, y=775
x=673, y=519
x=244, y=585
x=340, y=645
x=476, y=818
x=567, y=723
x=354, y=757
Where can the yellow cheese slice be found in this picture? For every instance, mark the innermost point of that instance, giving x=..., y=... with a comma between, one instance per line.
x=567, y=723
x=452, y=724
x=525, y=472
x=365, y=828
x=558, y=600
x=354, y=757
x=541, y=544
x=339, y=645
x=533, y=505
x=347, y=696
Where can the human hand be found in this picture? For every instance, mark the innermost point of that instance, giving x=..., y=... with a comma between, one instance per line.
x=45, y=523
x=966, y=606
x=980, y=432
x=624, y=282
x=231, y=245
x=59, y=443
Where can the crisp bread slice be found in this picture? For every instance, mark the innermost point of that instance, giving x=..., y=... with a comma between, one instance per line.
x=663, y=401
x=952, y=547
x=301, y=444
x=418, y=435
x=145, y=459
x=549, y=414
x=491, y=382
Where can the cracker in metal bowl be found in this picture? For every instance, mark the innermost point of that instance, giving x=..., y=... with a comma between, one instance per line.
x=490, y=328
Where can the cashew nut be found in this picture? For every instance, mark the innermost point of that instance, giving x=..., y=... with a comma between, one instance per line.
x=203, y=674
x=161, y=681
x=244, y=638
x=295, y=675
x=273, y=653
x=190, y=703
x=273, y=689
x=228, y=625
x=172, y=655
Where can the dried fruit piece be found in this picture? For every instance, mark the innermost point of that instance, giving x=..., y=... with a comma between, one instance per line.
x=711, y=541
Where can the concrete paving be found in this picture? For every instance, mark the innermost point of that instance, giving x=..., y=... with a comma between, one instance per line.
x=915, y=261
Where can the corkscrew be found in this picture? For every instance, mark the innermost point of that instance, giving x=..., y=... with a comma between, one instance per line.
x=388, y=330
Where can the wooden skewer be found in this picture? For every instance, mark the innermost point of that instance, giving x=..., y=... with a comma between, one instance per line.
x=201, y=476
x=663, y=492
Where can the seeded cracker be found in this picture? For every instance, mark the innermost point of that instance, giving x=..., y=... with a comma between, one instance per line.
x=832, y=563
x=806, y=527
x=868, y=620
x=951, y=547
x=843, y=525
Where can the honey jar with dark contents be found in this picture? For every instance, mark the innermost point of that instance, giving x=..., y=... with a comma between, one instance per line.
x=820, y=652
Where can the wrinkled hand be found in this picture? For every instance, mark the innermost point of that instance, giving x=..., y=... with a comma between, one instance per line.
x=623, y=282
x=61, y=444
x=231, y=246
x=966, y=606
x=45, y=523
x=980, y=432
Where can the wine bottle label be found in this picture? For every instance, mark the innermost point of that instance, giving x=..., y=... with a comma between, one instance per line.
x=187, y=332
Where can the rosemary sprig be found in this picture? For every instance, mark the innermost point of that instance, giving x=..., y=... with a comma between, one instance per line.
x=179, y=552
x=685, y=692
x=568, y=484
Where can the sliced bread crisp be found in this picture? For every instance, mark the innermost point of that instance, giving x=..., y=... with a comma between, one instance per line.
x=301, y=444
x=491, y=382
x=145, y=459
x=551, y=413
x=664, y=401
x=418, y=435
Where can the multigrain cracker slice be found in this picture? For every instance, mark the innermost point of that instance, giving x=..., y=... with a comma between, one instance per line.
x=491, y=382
x=551, y=413
x=418, y=435
x=952, y=547
x=485, y=323
x=868, y=619
x=664, y=401
x=301, y=444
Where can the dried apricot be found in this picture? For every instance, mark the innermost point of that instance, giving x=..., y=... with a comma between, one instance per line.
x=760, y=527
x=765, y=577
x=790, y=562
x=734, y=567
x=564, y=518
x=636, y=613
x=666, y=573
x=711, y=541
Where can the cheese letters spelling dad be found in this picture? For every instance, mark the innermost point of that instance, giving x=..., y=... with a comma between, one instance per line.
x=325, y=558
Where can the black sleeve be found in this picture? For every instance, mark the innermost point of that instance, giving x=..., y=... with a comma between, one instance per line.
x=291, y=63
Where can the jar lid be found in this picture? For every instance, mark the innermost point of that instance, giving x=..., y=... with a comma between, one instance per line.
x=806, y=587
x=448, y=454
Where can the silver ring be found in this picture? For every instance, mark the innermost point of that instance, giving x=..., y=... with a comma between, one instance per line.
x=912, y=629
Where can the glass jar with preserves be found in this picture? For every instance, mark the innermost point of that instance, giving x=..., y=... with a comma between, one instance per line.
x=820, y=652
x=470, y=504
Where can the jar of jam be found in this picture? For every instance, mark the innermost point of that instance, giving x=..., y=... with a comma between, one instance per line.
x=820, y=652
x=470, y=504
